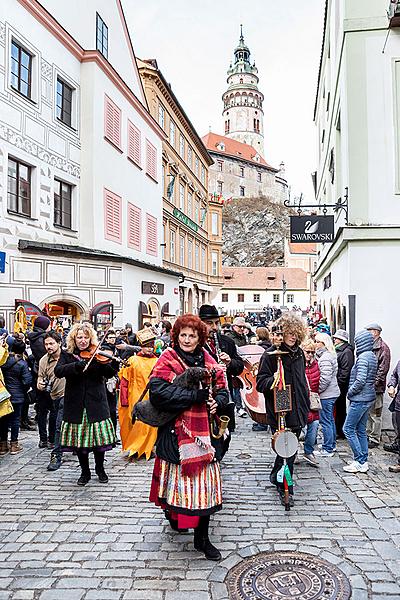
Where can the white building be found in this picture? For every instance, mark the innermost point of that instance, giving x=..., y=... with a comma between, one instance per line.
x=357, y=116
x=303, y=256
x=80, y=198
x=251, y=289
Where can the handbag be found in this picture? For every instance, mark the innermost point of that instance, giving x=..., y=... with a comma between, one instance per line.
x=315, y=400
x=6, y=408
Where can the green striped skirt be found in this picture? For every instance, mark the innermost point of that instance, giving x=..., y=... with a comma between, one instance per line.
x=87, y=436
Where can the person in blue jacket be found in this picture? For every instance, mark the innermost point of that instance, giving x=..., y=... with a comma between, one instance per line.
x=361, y=396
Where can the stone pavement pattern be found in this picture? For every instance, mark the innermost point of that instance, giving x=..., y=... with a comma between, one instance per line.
x=59, y=541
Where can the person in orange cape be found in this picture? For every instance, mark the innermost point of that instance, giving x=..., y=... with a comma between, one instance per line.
x=186, y=477
x=137, y=439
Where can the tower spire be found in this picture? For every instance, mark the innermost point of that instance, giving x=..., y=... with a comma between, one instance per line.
x=241, y=33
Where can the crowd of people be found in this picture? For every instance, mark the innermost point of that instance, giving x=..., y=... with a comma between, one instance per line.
x=86, y=394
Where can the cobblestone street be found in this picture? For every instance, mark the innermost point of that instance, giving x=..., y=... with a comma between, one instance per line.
x=108, y=542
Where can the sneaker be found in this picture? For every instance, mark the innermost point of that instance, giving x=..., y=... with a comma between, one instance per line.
x=42, y=444
x=394, y=447
x=320, y=448
x=310, y=458
x=259, y=427
x=55, y=463
x=242, y=413
x=356, y=467
x=325, y=453
x=372, y=444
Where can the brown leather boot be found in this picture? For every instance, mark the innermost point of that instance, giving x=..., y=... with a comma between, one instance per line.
x=3, y=448
x=15, y=447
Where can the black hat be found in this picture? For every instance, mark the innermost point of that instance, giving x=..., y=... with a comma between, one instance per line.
x=208, y=311
x=17, y=346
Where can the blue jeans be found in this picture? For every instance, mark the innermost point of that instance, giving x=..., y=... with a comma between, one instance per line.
x=355, y=429
x=310, y=437
x=328, y=424
x=11, y=421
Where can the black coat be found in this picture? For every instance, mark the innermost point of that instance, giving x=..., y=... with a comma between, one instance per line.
x=36, y=343
x=169, y=397
x=17, y=378
x=84, y=389
x=236, y=365
x=345, y=359
x=295, y=375
x=238, y=338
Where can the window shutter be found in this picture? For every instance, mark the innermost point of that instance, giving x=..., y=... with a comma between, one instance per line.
x=151, y=238
x=134, y=227
x=151, y=160
x=112, y=216
x=112, y=122
x=134, y=143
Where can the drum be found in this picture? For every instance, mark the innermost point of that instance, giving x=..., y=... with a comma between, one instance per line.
x=285, y=443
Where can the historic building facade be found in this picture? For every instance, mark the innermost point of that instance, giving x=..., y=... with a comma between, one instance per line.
x=240, y=169
x=252, y=289
x=357, y=119
x=192, y=221
x=81, y=166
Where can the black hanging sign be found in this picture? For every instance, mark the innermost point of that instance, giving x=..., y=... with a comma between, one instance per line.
x=152, y=288
x=311, y=229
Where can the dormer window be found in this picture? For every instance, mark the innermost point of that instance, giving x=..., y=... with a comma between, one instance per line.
x=221, y=146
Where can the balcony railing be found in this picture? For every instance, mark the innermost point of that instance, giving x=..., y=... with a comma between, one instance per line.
x=394, y=13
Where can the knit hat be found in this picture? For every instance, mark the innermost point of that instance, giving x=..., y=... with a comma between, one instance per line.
x=42, y=322
x=374, y=326
x=323, y=328
x=17, y=346
x=341, y=334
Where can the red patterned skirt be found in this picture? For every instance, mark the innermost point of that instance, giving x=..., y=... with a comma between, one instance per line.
x=186, y=498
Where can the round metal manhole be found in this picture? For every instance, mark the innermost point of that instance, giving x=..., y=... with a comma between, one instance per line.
x=243, y=456
x=286, y=576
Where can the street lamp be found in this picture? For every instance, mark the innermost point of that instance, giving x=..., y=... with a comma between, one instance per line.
x=284, y=288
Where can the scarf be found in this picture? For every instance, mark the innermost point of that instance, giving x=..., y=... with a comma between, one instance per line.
x=192, y=426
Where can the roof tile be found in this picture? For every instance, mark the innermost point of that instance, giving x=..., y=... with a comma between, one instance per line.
x=263, y=278
x=234, y=148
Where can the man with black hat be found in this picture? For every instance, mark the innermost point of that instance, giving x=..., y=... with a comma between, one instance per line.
x=222, y=349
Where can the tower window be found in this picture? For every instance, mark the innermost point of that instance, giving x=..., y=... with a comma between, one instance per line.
x=241, y=191
x=227, y=126
x=256, y=123
x=241, y=171
x=241, y=80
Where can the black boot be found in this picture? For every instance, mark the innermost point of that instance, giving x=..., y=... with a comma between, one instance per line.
x=393, y=447
x=173, y=522
x=99, y=460
x=202, y=542
x=86, y=476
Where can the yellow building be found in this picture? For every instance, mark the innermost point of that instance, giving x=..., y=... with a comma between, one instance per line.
x=192, y=218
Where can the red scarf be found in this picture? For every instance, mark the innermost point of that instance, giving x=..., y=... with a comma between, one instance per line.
x=192, y=426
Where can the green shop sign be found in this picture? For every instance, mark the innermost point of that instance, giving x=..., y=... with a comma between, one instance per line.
x=184, y=219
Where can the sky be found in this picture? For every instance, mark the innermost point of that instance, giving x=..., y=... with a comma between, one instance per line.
x=193, y=42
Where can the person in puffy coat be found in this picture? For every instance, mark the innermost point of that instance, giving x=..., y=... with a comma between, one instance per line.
x=361, y=396
x=17, y=379
x=313, y=377
x=328, y=390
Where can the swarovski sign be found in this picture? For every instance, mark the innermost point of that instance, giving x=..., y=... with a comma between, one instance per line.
x=312, y=229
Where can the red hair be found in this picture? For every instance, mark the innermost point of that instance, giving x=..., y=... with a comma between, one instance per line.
x=194, y=323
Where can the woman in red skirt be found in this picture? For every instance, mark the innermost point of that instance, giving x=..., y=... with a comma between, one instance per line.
x=186, y=478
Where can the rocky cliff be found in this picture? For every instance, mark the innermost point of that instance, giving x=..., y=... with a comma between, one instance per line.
x=254, y=231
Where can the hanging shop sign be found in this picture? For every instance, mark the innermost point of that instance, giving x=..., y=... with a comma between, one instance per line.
x=2, y=262
x=311, y=229
x=184, y=219
x=152, y=288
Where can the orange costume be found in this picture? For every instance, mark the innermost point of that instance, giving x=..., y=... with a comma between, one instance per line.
x=138, y=438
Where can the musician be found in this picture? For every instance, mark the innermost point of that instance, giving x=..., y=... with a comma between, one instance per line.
x=293, y=333
x=86, y=425
x=226, y=353
x=186, y=478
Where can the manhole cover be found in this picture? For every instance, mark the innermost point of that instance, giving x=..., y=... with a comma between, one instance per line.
x=243, y=456
x=286, y=576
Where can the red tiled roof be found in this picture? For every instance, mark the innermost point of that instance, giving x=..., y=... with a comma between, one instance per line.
x=262, y=278
x=233, y=148
x=298, y=248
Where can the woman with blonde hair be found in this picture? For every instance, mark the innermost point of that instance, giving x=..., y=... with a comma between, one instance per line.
x=313, y=377
x=328, y=390
x=86, y=425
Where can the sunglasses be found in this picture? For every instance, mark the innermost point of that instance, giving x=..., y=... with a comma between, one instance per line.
x=309, y=352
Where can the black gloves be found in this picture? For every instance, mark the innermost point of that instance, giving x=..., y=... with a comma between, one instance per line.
x=80, y=365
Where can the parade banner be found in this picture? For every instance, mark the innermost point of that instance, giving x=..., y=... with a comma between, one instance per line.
x=311, y=229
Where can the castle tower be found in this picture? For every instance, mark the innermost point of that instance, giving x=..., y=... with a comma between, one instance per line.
x=243, y=111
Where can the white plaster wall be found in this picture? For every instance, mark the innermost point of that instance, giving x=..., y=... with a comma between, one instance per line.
x=301, y=298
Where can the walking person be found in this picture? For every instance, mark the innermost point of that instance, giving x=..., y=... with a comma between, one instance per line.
x=345, y=359
x=86, y=425
x=361, y=397
x=382, y=353
x=313, y=377
x=17, y=380
x=55, y=387
x=328, y=390
x=186, y=477
x=293, y=363
x=238, y=336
